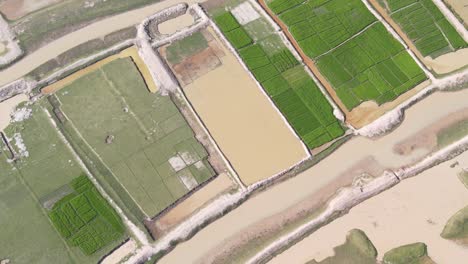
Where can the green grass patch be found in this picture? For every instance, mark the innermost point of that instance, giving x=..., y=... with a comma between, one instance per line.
x=226, y=22
x=186, y=47
x=357, y=249
x=239, y=38
x=456, y=227
x=408, y=254
x=452, y=133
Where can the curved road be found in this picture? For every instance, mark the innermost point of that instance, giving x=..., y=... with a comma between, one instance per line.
x=95, y=30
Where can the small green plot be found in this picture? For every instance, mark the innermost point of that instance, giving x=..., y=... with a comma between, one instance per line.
x=85, y=219
x=186, y=47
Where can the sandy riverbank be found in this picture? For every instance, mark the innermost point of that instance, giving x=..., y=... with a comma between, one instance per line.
x=460, y=7
x=398, y=216
x=305, y=185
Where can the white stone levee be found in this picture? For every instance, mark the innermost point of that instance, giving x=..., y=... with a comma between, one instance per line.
x=7, y=38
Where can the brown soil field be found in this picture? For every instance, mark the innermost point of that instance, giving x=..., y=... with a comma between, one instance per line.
x=364, y=113
x=196, y=201
x=244, y=123
x=427, y=138
x=14, y=9
x=129, y=52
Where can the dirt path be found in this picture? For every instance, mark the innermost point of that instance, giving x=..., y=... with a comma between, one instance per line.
x=95, y=30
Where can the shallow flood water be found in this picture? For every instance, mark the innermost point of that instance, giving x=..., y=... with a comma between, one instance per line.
x=416, y=210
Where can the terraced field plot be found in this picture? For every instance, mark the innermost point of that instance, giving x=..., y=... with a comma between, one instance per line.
x=283, y=78
x=85, y=219
x=426, y=26
x=354, y=51
x=141, y=138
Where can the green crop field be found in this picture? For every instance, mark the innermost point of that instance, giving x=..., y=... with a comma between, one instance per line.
x=85, y=219
x=426, y=26
x=140, y=138
x=287, y=83
x=354, y=51
x=30, y=186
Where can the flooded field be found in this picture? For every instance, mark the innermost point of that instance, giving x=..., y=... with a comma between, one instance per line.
x=311, y=185
x=398, y=216
x=460, y=7
x=7, y=106
x=248, y=129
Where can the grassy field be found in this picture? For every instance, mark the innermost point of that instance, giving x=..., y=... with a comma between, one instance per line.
x=408, y=254
x=283, y=78
x=49, y=23
x=354, y=51
x=31, y=186
x=140, y=138
x=426, y=26
x=357, y=249
x=452, y=133
x=457, y=227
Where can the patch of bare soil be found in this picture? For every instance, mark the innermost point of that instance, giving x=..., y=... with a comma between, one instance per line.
x=195, y=202
x=427, y=138
x=14, y=9
x=212, y=4
x=197, y=65
x=270, y=227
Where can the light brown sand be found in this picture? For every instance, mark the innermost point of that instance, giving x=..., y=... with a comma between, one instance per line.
x=178, y=23
x=7, y=106
x=129, y=52
x=306, y=184
x=2, y=48
x=416, y=210
x=14, y=9
x=221, y=184
x=248, y=129
x=95, y=30
x=123, y=251
x=448, y=62
x=460, y=7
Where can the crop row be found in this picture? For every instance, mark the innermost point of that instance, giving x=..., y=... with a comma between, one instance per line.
x=85, y=219
x=354, y=52
x=290, y=87
x=426, y=26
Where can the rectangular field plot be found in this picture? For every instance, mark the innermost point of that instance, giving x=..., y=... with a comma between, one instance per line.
x=285, y=81
x=426, y=26
x=141, y=138
x=354, y=52
x=85, y=219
